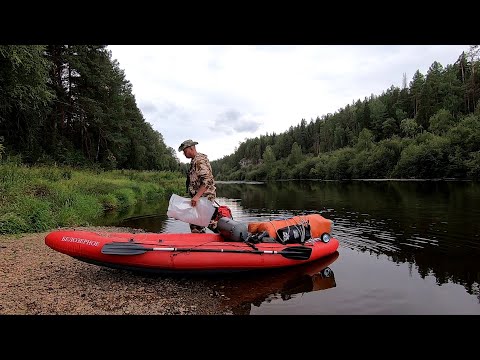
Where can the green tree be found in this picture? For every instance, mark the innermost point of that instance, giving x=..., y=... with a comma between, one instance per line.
x=338, y=137
x=431, y=96
x=473, y=164
x=473, y=91
x=441, y=122
x=400, y=115
x=379, y=115
x=295, y=156
x=24, y=98
x=365, y=140
x=409, y=127
x=416, y=86
x=389, y=128
x=269, y=156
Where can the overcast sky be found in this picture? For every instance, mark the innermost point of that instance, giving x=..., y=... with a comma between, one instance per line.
x=221, y=95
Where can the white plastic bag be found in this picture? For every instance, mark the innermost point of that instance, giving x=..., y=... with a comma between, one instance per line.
x=181, y=208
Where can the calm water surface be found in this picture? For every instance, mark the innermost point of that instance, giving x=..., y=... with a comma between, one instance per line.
x=406, y=247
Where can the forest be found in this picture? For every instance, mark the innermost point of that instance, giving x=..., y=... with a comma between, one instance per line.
x=428, y=129
x=72, y=105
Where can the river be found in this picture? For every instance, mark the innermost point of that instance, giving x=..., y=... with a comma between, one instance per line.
x=406, y=247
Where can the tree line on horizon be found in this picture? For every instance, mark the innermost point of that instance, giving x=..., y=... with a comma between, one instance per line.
x=429, y=128
x=72, y=105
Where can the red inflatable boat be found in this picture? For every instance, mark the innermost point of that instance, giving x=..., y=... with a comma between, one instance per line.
x=203, y=252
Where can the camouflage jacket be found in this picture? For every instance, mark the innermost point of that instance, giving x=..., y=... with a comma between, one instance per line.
x=201, y=173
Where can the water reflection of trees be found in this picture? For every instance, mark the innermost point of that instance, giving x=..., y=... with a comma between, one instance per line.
x=141, y=210
x=431, y=224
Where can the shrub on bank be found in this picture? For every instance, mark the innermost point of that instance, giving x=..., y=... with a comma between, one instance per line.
x=35, y=199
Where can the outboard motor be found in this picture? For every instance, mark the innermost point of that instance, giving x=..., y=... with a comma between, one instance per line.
x=232, y=230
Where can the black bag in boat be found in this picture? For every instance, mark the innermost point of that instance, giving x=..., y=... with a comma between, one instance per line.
x=294, y=234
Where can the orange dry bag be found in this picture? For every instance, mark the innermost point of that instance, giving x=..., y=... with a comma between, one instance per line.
x=296, y=229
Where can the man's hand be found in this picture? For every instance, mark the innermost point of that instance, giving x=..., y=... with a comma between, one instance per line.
x=194, y=201
x=199, y=193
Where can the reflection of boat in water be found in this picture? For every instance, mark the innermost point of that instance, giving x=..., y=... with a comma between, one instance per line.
x=318, y=280
x=255, y=288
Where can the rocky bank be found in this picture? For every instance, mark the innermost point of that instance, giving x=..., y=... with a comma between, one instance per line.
x=36, y=280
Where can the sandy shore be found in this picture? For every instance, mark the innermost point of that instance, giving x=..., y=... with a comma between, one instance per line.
x=36, y=280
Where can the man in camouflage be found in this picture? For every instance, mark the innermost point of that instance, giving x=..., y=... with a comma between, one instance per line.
x=200, y=181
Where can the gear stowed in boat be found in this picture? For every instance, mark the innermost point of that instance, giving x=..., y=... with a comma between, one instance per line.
x=237, y=246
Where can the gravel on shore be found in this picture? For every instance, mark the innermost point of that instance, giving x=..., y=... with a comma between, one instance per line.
x=36, y=280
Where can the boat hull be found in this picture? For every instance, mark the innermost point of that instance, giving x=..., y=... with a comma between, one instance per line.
x=210, y=251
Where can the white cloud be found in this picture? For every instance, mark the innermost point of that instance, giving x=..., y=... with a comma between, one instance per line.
x=221, y=95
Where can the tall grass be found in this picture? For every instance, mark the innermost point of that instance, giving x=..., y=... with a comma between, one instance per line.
x=35, y=199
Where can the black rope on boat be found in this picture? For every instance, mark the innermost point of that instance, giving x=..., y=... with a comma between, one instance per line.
x=252, y=245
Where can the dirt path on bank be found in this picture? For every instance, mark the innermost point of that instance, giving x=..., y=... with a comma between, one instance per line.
x=38, y=280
